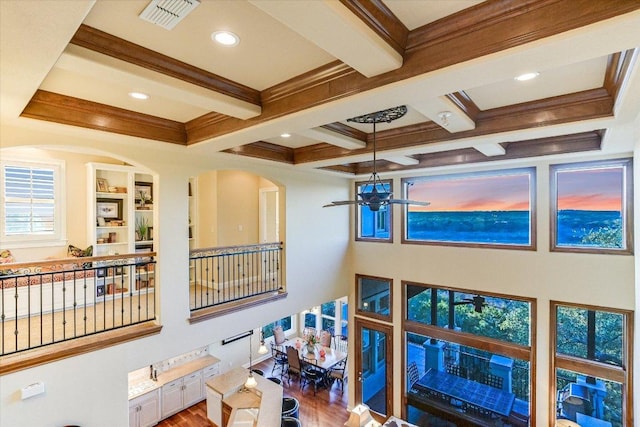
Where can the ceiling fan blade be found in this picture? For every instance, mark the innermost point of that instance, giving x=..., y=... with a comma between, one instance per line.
x=408, y=202
x=342, y=203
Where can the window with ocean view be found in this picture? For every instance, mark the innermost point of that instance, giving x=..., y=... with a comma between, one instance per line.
x=374, y=225
x=495, y=209
x=591, y=207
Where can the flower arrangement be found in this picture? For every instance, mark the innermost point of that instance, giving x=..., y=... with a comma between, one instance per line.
x=312, y=339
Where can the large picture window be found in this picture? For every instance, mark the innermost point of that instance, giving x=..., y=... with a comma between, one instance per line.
x=493, y=209
x=591, y=207
x=469, y=357
x=590, y=364
x=372, y=225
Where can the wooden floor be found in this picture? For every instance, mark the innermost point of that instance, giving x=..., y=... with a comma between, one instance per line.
x=328, y=408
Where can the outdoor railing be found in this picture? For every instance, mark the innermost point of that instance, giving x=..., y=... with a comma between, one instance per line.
x=476, y=366
x=48, y=302
x=233, y=273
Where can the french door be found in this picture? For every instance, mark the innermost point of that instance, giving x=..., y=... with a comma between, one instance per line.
x=374, y=366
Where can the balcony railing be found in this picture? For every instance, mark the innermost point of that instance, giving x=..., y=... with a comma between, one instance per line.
x=43, y=303
x=233, y=273
x=475, y=367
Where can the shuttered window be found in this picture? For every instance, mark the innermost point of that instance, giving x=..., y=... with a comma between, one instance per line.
x=30, y=199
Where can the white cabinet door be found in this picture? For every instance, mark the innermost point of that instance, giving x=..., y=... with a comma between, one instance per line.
x=171, y=398
x=207, y=373
x=133, y=415
x=192, y=389
x=149, y=413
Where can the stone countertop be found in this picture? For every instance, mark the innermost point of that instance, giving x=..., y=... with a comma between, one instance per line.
x=267, y=393
x=140, y=383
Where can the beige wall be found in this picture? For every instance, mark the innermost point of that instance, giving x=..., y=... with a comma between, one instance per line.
x=228, y=208
x=91, y=389
x=600, y=280
x=321, y=260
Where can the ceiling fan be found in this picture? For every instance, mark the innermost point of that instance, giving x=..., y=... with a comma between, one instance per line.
x=477, y=301
x=374, y=194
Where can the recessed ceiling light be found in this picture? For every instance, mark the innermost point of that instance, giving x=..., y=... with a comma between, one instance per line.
x=226, y=38
x=138, y=95
x=285, y=135
x=527, y=76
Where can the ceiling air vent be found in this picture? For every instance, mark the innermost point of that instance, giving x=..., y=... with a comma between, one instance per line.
x=167, y=13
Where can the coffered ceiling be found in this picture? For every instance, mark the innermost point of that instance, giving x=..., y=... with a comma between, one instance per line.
x=305, y=67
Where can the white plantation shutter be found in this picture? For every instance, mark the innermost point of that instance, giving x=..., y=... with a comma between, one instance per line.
x=30, y=195
x=29, y=200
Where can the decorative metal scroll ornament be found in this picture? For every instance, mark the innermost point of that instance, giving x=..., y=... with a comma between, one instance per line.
x=375, y=195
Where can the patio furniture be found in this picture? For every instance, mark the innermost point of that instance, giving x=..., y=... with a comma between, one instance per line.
x=475, y=397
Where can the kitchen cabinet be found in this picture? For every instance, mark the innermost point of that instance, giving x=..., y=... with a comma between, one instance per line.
x=181, y=393
x=144, y=411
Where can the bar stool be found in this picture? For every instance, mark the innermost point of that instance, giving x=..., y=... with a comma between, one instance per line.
x=290, y=407
x=275, y=380
x=290, y=422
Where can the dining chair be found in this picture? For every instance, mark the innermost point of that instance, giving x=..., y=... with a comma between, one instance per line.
x=340, y=343
x=325, y=338
x=414, y=375
x=339, y=373
x=279, y=359
x=312, y=374
x=278, y=335
x=294, y=364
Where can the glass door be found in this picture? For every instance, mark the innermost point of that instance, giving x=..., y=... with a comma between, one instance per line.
x=373, y=363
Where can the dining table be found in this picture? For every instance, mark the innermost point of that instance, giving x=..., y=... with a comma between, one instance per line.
x=452, y=387
x=321, y=357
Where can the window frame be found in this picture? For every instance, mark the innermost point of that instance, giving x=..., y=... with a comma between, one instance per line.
x=277, y=323
x=492, y=345
x=59, y=235
x=620, y=374
x=532, y=173
x=388, y=210
x=374, y=315
x=627, y=208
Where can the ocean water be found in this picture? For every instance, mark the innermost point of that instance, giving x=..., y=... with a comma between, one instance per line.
x=505, y=227
x=573, y=225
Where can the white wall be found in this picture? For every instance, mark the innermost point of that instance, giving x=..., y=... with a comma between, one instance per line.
x=91, y=390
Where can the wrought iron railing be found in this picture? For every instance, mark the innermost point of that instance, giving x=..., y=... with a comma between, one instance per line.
x=43, y=303
x=232, y=273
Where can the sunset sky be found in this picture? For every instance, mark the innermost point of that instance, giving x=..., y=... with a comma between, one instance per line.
x=598, y=189
x=480, y=193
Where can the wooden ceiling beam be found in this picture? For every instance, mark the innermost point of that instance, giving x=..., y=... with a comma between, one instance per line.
x=107, y=44
x=436, y=46
x=586, y=141
x=575, y=107
x=72, y=111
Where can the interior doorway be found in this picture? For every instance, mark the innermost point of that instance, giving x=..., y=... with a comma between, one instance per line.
x=269, y=227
